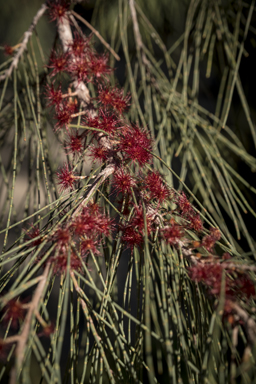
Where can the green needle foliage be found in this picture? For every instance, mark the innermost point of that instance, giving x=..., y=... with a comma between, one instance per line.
x=127, y=255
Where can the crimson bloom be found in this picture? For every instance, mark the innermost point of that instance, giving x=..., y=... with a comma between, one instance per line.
x=15, y=312
x=209, y=274
x=105, y=121
x=98, y=153
x=8, y=50
x=79, y=68
x=75, y=143
x=61, y=261
x=136, y=144
x=79, y=46
x=66, y=178
x=184, y=204
x=58, y=9
x=209, y=240
x=157, y=189
x=173, y=234
x=123, y=181
x=54, y=96
x=34, y=232
x=99, y=67
x=59, y=63
x=131, y=236
x=64, y=113
x=113, y=97
x=195, y=222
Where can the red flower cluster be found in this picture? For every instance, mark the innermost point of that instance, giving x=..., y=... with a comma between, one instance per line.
x=105, y=121
x=111, y=139
x=173, y=234
x=209, y=241
x=82, y=236
x=134, y=230
x=113, y=97
x=75, y=143
x=236, y=284
x=188, y=213
x=136, y=145
x=157, y=189
x=123, y=181
x=98, y=153
x=66, y=178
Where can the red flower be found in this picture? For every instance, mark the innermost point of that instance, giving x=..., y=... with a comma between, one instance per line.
x=215, y=233
x=136, y=144
x=59, y=62
x=226, y=256
x=61, y=261
x=138, y=220
x=54, y=96
x=75, y=143
x=98, y=153
x=15, y=311
x=173, y=234
x=64, y=114
x=62, y=237
x=245, y=286
x=209, y=240
x=79, y=46
x=79, y=68
x=195, y=222
x=64, y=118
x=66, y=178
x=8, y=50
x=88, y=245
x=107, y=122
x=98, y=66
x=32, y=233
x=114, y=98
x=92, y=223
x=123, y=181
x=105, y=225
x=58, y=9
x=85, y=224
x=131, y=236
x=209, y=274
x=157, y=189
x=133, y=232
x=184, y=204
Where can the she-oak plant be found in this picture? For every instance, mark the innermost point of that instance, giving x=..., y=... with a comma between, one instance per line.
x=187, y=313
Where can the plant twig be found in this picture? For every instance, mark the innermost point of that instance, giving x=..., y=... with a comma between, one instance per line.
x=137, y=34
x=23, y=337
x=102, y=176
x=250, y=324
x=24, y=43
x=97, y=34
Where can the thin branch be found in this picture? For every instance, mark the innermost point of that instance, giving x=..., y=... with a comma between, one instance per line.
x=97, y=34
x=250, y=325
x=23, y=337
x=24, y=43
x=102, y=176
x=137, y=34
x=135, y=25
x=66, y=37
